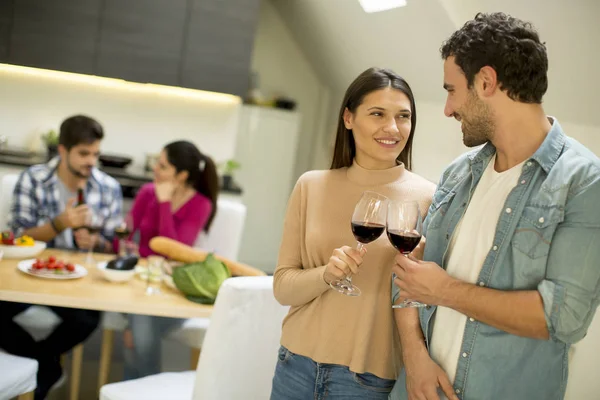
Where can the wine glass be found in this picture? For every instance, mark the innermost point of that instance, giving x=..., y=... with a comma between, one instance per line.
x=155, y=274
x=123, y=232
x=368, y=223
x=404, y=229
x=93, y=224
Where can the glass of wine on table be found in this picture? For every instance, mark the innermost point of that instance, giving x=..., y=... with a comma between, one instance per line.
x=123, y=232
x=368, y=223
x=93, y=225
x=404, y=229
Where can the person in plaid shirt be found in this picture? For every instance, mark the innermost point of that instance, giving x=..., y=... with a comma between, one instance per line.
x=45, y=208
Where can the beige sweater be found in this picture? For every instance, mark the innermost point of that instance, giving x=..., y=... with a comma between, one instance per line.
x=329, y=327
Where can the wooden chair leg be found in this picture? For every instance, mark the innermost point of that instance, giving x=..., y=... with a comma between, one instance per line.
x=25, y=396
x=195, y=356
x=77, y=357
x=105, y=356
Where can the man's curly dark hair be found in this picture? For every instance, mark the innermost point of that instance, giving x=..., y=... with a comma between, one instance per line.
x=509, y=45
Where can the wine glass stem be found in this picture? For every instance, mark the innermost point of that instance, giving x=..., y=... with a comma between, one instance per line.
x=359, y=247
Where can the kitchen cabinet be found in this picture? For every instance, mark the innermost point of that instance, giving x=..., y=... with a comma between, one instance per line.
x=57, y=34
x=142, y=40
x=199, y=44
x=219, y=43
x=6, y=12
x=266, y=150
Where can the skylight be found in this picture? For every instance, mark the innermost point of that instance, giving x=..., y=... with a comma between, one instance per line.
x=372, y=6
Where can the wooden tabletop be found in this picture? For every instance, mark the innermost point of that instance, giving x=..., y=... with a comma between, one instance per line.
x=93, y=292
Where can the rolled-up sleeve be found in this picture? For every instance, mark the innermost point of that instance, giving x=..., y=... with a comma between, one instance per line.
x=571, y=290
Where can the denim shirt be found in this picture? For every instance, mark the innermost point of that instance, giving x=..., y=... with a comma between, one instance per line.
x=547, y=239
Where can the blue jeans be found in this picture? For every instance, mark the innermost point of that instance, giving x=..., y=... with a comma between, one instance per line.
x=144, y=359
x=300, y=378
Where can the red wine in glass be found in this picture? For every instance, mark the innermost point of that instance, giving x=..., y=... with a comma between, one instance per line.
x=368, y=223
x=404, y=242
x=366, y=232
x=404, y=227
x=122, y=232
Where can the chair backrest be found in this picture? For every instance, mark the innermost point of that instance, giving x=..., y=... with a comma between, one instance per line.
x=583, y=365
x=6, y=197
x=239, y=352
x=225, y=235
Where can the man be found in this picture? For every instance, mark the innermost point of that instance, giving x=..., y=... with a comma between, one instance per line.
x=45, y=208
x=514, y=226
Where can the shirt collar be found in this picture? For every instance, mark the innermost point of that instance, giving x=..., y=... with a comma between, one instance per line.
x=546, y=155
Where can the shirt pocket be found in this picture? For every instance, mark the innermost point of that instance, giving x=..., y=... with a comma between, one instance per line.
x=536, y=228
x=440, y=204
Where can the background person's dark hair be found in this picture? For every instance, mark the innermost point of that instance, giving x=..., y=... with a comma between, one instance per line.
x=511, y=46
x=79, y=129
x=369, y=81
x=201, y=169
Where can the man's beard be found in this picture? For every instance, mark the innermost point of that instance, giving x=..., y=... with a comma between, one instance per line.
x=75, y=172
x=478, y=127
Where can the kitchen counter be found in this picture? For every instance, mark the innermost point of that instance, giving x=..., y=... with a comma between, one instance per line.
x=130, y=179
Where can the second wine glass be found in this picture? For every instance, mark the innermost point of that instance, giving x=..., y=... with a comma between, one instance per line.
x=368, y=223
x=94, y=224
x=404, y=229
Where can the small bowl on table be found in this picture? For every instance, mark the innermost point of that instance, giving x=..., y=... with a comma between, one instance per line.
x=118, y=270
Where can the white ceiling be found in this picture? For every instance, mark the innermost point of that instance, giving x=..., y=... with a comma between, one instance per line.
x=341, y=40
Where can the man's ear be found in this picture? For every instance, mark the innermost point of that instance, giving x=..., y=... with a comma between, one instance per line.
x=486, y=81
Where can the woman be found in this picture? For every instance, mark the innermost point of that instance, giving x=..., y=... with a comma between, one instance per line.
x=182, y=200
x=346, y=347
x=179, y=204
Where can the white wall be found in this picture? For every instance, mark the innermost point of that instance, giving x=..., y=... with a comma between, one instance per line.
x=283, y=69
x=136, y=122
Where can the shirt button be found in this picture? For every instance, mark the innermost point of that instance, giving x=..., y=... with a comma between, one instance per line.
x=464, y=355
x=472, y=319
x=541, y=220
x=481, y=284
x=508, y=210
x=495, y=248
x=529, y=163
x=523, y=182
x=457, y=391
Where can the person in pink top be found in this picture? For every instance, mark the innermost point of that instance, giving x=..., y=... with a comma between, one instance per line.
x=182, y=200
x=179, y=204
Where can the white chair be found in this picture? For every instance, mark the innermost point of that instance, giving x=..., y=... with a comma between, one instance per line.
x=583, y=381
x=6, y=195
x=18, y=378
x=39, y=321
x=239, y=352
x=225, y=235
x=224, y=238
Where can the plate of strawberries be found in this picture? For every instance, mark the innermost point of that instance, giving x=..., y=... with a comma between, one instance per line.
x=52, y=268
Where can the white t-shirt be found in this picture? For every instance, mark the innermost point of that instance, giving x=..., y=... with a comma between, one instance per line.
x=470, y=244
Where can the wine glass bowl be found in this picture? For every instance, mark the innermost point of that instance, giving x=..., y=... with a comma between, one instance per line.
x=367, y=224
x=404, y=228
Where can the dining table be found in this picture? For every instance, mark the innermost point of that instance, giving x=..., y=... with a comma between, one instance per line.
x=93, y=292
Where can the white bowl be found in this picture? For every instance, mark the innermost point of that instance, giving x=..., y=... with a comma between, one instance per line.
x=21, y=252
x=114, y=275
